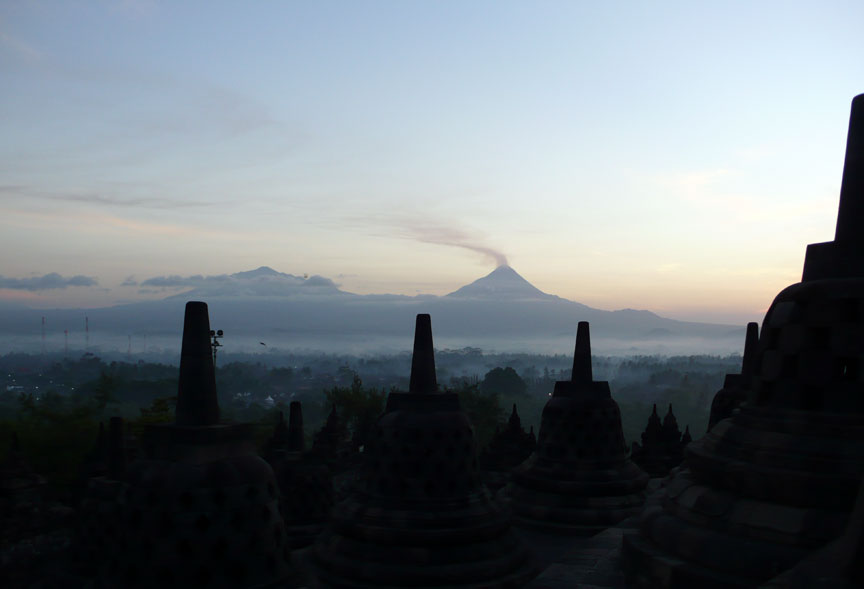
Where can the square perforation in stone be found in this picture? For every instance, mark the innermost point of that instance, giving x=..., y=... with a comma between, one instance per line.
x=789, y=366
x=784, y=312
x=849, y=310
x=812, y=398
x=765, y=392
x=819, y=338
x=847, y=369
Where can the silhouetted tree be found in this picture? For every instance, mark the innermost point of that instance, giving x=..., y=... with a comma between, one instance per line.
x=358, y=406
x=484, y=410
x=503, y=381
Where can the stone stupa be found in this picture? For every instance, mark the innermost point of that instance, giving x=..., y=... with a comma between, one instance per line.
x=735, y=386
x=201, y=508
x=100, y=512
x=776, y=481
x=421, y=517
x=579, y=480
x=306, y=494
x=508, y=448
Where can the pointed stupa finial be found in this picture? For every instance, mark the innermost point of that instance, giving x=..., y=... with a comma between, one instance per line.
x=423, y=379
x=196, y=396
x=850, y=214
x=654, y=413
x=686, y=438
x=100, y=449
x=844, y=257
x=280, y=432
x=668, y=413
x=750, y=343
x=582, y=355
x=296, y=440
x=515, y=422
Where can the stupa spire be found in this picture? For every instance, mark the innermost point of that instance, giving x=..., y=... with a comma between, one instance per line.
x=280, y=433
x=582, y=355
x=295, y=427
x=196, y=396
x=686, y=438
x=750, y=343
x=423, y=378
x=850, y=216
x=843, y=257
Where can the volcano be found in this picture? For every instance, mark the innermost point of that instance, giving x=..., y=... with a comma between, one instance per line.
x=503, y=283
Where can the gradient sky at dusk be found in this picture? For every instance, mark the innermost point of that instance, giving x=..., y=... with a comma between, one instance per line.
x=674, y=156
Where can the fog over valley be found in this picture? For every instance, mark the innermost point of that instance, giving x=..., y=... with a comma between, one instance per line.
x=266, y=311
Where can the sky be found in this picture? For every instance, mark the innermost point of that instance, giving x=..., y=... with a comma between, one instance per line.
x=670, y=156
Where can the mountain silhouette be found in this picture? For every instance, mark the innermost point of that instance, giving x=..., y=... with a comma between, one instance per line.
x=261, y=282
x=501, y=309
x=503, y=283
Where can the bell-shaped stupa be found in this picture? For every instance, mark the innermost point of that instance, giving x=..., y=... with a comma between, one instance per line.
x=735, y=386
x=306, y=494
x=772, y=484
x=508, y=449
x=202, y=508
x=100, y=512
x=421, y=517
x=579, y=480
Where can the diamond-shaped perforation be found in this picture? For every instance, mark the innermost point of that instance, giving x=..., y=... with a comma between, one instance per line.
x=823, y=332
x=432, y=461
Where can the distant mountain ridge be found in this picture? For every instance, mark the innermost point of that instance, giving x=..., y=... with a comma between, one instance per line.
x=261, y=282
x=266, y=305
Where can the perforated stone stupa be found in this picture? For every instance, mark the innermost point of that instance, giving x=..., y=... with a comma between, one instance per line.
x=306, y=494
x=421, y=518
x=579, y=480
x=332, y=443
x=735, y=386
x=100, y=513
x=201, y=510
x=770, y=485
x=662, y=447
x=509, y=448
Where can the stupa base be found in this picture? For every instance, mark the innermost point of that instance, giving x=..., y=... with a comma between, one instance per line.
x=464, y=544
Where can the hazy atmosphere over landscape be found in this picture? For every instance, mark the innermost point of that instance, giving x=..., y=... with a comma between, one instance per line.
x=532, y=294
x=672, y=157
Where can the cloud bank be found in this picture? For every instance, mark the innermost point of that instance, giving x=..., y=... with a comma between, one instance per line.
x=261, y=282
x=49, y=281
